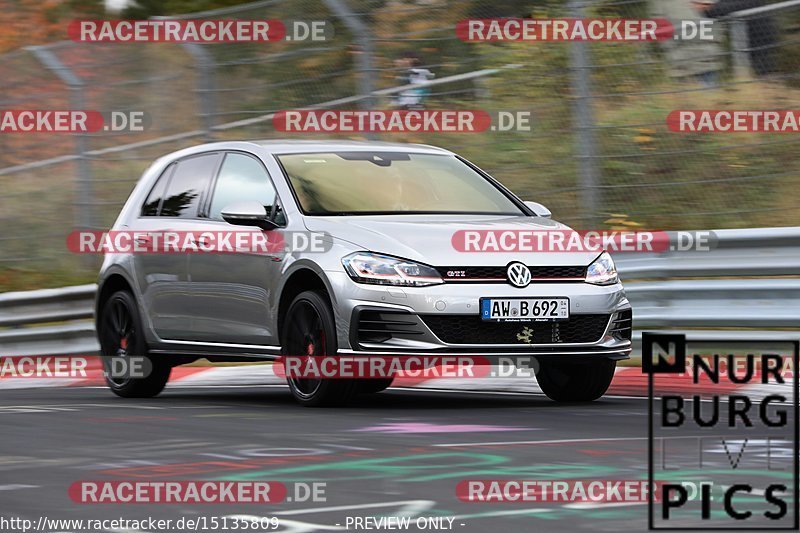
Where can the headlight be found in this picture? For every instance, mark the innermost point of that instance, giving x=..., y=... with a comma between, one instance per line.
x=602, y=271
x=378, y=269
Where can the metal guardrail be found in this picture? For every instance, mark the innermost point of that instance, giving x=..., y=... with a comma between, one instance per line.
x=746, y=287
x=761, y=252
x=48, y=321
x=740, y=39
x=750, y=288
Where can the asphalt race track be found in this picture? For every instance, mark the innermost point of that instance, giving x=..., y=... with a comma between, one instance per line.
x=397, y=453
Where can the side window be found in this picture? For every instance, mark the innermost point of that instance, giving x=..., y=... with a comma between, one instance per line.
x=150, y=206
x=241, y=178
x=188, y=184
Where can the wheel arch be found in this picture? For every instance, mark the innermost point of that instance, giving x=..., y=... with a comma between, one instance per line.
x=302, y=279
x=109, y=285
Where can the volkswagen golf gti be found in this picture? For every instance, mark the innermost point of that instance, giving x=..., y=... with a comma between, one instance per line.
x=386, y=280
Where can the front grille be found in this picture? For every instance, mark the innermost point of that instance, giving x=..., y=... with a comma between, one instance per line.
x=498, y=273
x=470, y=329
x=622, y=327
x=380, y=326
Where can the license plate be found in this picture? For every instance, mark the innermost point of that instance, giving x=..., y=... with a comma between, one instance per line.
x=524, y=309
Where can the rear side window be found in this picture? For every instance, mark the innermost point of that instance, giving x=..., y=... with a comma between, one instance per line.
x=188, y=184
x=241, y=177
x=153, y=202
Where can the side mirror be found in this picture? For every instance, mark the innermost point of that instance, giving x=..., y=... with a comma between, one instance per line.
x=247, y=213
x=539, y=209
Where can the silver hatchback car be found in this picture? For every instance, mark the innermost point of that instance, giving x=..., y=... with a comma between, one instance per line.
x=388, y=279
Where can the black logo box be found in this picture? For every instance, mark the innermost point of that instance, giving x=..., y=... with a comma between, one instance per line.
x=666, y=342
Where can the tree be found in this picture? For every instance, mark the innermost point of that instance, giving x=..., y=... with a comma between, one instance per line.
x=29, y=22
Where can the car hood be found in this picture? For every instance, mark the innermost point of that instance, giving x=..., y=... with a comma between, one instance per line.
x=428, y=238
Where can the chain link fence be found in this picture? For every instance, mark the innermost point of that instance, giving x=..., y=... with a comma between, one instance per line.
x=599, y=153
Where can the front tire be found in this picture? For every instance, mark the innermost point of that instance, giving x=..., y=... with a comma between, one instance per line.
x=582, y=381
x=309, y=330
x=121, y=337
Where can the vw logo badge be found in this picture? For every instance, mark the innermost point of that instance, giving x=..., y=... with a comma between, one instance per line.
x=518, y=275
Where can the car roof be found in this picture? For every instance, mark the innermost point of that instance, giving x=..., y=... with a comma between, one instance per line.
x=291, y=146
x=299, y=146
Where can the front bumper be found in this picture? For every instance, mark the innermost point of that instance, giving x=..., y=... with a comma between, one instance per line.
x=421, y=319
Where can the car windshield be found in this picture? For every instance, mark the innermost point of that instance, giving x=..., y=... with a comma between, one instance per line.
x=374, y=182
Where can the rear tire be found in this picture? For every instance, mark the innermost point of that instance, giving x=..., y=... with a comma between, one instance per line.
x=583, y=381
x=309, y=329
x=121, y=337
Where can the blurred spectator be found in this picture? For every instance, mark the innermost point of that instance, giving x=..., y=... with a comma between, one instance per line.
x=410, y=70
x=689, y=59
x=761, y=31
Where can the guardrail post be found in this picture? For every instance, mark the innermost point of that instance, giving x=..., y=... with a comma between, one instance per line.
x=584, y=121
x=205, y=85
x=365, y=69
x=740, y=44
x=83, y=216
